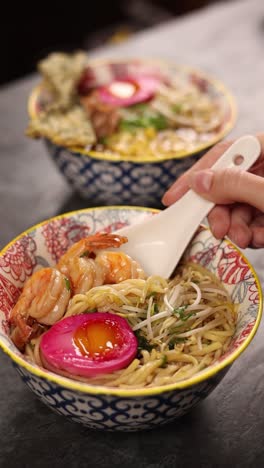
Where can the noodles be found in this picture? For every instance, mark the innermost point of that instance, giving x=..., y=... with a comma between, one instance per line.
x=182, y=325
x=190, y=118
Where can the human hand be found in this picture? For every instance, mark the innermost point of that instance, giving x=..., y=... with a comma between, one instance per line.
x=238, y=195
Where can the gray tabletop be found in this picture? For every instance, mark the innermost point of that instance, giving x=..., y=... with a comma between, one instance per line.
x=226, y=40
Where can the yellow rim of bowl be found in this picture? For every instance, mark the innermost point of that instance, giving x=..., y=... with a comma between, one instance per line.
x=184, y=154
x=97, y=390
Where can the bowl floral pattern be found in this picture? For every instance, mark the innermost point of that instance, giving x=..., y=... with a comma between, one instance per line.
x=112, y=408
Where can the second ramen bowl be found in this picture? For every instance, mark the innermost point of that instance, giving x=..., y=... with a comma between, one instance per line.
x=104, y=178
x=123, y=409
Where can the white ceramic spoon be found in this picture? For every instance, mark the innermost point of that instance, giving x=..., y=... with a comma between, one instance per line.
x=158, y=242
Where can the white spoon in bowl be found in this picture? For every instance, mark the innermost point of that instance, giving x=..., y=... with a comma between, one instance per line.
x=158, y=242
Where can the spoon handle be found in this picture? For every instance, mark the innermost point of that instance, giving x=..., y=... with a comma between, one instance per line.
x=247, y=147
x=241, y=155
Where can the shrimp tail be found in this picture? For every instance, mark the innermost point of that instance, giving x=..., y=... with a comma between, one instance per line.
x=104, y=241
x=21, y=333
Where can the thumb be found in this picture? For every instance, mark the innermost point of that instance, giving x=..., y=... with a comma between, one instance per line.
x=229, y=185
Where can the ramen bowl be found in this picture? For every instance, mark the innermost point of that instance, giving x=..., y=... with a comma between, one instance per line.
x=123, y=409
x=109, y=176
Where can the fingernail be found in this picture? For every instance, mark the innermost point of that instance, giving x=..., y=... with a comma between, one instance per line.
x=165, y=200
x=201, y=181
x=174, y=192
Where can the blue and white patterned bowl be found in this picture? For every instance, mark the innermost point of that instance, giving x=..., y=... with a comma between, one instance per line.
x=108, y=182
x=104, y=178
x=111, y=408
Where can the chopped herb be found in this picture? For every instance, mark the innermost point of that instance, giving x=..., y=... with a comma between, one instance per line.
x=102, y=140
x=141, y=107
x=164, y=360
x=90, y=311
x=189, y=315
x=152, y=294
x=143, y=343
x=154, y=309
x=133, y=122
x=86, y=253
x=175, y=341
x=177, y=107
x=68, y=284
x=182, y=316
x=158, y=122
x=179, y=310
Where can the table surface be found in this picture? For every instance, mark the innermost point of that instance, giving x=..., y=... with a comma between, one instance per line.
x=226, y=40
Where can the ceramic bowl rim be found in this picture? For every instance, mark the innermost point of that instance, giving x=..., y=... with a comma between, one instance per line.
x=218, y=84
x=99, y=390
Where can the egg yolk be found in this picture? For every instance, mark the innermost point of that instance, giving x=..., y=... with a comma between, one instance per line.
x=97, y=339
x=122, y=89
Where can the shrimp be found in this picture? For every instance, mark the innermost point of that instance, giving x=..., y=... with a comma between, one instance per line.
x=46, y=295
x=86, y=264
x=118, y=266
x=44, y=301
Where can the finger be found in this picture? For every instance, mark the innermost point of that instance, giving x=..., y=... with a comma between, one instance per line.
x=239, y=231
x=181, y=185
x=257, y=227
x=229, y=185
x=258, y=167
x=258, y=219
x=257, y=237
x=219, y=220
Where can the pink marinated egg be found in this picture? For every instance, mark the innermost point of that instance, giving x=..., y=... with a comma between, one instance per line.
x=89, y=344
x=129, y=91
